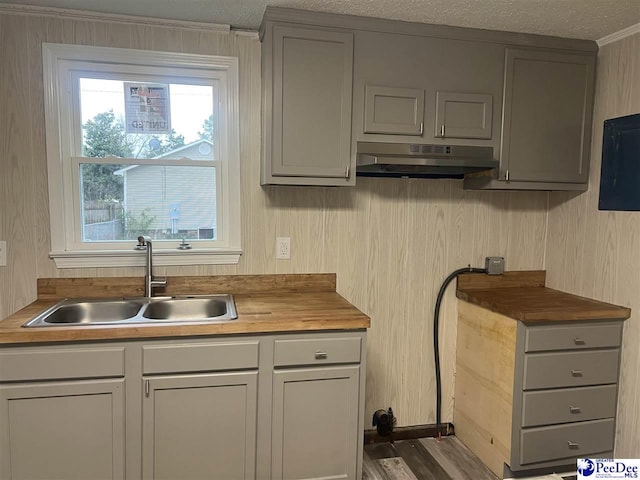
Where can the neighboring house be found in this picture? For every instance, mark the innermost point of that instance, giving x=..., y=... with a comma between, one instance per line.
x=180, y=199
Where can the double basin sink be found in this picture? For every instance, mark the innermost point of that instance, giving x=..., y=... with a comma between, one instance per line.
x=183, y=310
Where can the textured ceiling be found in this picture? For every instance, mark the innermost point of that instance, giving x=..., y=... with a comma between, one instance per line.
x=586, y=19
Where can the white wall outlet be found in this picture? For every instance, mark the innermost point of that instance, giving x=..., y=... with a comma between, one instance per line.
x=3, y=253
x=283, y=247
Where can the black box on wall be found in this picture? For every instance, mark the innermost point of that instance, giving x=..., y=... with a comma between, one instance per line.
x=620, y=173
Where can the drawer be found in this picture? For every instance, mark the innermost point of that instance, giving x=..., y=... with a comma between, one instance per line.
x=316, y=351
x=549, y=407
x=61, y=363
x=570, y=369
x=566, y=441
x=199, y=357
x=571, y=337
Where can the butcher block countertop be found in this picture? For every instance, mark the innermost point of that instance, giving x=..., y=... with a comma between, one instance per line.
x=523, y=296
x=265, y=303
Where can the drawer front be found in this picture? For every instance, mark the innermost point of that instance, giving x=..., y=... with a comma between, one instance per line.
x=566, y=441
x=572, y=369
x=571, y=337
x=199, y=357
x=550, y=407
x=316, y=351
x=60, y=363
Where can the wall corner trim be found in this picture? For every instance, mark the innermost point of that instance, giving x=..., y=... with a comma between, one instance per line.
x=614, y=37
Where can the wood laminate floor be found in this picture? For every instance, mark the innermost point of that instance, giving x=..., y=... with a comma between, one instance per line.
x=426, y=459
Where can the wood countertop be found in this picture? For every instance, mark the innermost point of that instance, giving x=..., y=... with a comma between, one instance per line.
x=523, y=296
x=265, y=304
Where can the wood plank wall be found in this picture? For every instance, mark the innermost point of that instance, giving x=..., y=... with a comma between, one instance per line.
x=597, y=254
x=390, y=241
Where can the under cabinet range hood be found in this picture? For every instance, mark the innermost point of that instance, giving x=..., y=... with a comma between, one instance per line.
x=376, y=159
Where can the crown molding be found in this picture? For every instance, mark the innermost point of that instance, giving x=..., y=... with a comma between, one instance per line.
x=614, y=37
x=71, y=14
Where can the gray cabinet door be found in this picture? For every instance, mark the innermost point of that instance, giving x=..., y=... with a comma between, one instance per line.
x=62, y=430
x=548, y=102
x=312, y=85
x=463, y=115
x=200, y=426
x=315, y=423
x=393, y=110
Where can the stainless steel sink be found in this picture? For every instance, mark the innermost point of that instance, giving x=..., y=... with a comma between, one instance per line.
x=181, y=309
x=86, y=312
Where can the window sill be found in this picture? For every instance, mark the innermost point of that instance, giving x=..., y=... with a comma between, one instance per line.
x=124, y=258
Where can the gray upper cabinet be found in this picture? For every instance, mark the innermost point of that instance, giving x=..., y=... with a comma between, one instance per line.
x=407, y=87
x=547, y=116
x=547, y=113
x=463, y=115
x=393, y=110
x=307, y=80
x=530, y=98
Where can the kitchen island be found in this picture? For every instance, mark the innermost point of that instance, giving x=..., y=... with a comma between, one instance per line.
x=536, y=373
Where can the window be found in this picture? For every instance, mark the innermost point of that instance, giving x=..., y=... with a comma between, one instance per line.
x=141, y=143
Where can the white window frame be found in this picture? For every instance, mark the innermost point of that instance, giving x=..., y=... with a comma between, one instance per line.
x=62, y=66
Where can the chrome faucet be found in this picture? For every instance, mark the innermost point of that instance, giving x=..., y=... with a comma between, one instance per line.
x=144, y=243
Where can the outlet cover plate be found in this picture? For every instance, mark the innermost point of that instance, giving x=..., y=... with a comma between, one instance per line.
x=283, y=248
x=3, y=253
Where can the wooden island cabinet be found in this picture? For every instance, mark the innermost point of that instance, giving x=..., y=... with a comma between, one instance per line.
x=536, y=373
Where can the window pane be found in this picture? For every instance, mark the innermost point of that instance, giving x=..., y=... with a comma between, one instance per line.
x=121, y=202
x=102, y=105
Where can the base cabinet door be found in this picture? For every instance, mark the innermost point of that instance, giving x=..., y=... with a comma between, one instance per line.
x=200, y=426
x=315, y=423
x=62, y=431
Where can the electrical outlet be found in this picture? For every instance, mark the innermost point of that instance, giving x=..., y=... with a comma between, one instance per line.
x=3, y=253
x=283, y=247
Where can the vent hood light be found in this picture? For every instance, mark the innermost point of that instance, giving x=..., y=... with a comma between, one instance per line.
x=376, y=159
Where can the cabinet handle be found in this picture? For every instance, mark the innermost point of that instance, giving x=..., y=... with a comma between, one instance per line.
x=573, y=445
x=421, y=128
x=579, y=341
x=573, y=409
x=146, y=388
x=321, y=355
x=442, y=130
x=347, y=170
x=576, y=373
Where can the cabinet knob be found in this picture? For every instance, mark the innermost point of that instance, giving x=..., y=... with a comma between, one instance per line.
x=573, y=409
x=573, y=445
x=576, y=373
x=321, y=355
x=579, y=341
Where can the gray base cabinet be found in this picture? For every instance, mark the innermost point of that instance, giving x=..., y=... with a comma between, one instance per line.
x=286, y=406
x=315, y=423
x=537, y=395
x=62, y=430
x=200, y=426
x=565, y=393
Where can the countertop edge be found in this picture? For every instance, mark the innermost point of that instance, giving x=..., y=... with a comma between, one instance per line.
x=583, y=308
